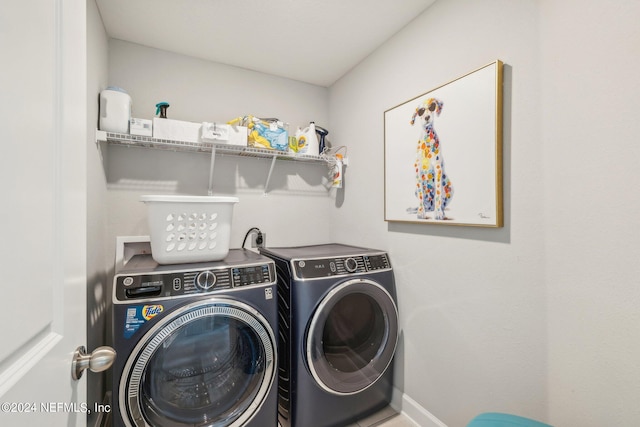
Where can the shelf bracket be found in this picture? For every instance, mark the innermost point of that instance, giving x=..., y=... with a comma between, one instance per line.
x=101, y=136
x=266, y=184
x=211, y=168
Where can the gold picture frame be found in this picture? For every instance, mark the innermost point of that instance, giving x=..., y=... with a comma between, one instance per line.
x=459, y=122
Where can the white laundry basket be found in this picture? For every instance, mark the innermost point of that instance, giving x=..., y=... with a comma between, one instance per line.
x=189, y=228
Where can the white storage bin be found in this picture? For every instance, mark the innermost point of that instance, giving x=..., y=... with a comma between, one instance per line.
x=224, y=134
x=142, y=127
x=189, y=228
x=176, y=130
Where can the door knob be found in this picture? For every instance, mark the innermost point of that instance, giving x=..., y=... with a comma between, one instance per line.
x=99, y=360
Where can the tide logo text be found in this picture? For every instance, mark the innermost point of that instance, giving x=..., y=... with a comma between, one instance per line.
x=150, y=311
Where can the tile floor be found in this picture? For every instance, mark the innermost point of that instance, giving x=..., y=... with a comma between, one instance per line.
x=385, y=418
x=398, y=421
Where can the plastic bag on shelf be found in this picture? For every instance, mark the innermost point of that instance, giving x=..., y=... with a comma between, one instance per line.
x=271, y=134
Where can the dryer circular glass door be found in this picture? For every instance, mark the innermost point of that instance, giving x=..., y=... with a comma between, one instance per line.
x=209, y=363
x=352, y=337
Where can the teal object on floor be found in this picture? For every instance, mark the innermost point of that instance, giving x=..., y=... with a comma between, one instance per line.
x=494, y=419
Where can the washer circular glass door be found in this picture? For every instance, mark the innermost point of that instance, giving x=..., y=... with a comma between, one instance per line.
x=352, y=337
x=210, y=363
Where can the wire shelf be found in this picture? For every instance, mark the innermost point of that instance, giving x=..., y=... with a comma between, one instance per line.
x=204, y=147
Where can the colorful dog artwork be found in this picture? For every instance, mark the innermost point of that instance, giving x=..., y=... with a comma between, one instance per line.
x=433, y=187
x=418, y=187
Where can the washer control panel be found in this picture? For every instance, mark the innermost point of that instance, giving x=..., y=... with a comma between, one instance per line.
x=179, y=283
x=326, y=267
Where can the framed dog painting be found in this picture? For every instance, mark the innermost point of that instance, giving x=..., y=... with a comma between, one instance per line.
x=443, y=153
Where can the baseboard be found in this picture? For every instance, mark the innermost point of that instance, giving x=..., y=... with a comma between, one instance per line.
x=412, y=410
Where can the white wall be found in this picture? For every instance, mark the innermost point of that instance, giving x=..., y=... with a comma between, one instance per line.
x=472, y=301
x=590, y=131
x=539, y=318
x=296, y=209
x=98, y=258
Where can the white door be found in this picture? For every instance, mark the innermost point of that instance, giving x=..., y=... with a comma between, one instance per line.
x=42, y=211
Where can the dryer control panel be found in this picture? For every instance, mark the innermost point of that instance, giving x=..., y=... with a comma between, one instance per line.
x=340, y=266
x=183, y=283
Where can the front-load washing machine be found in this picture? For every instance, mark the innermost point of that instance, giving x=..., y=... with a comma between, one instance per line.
x=195, y=343
x=337, y=334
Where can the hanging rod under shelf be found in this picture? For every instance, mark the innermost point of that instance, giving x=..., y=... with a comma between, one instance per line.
x=204, y=147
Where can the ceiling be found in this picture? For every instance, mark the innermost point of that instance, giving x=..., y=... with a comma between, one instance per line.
x=315, y=41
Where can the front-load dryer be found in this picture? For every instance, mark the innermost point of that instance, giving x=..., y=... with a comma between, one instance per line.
x=195, y=343
x=337, y=334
